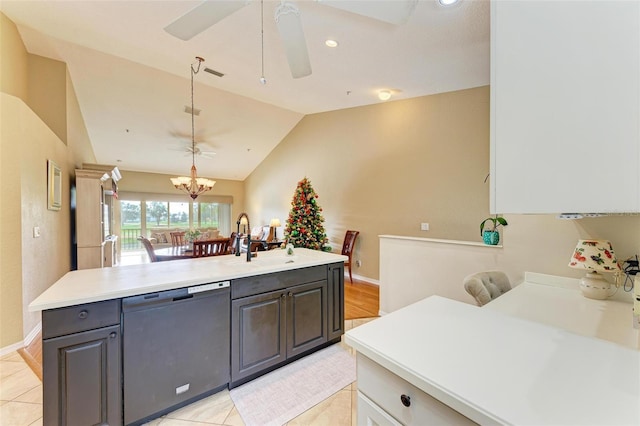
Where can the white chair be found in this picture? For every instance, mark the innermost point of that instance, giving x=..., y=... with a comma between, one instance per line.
x=486, y=286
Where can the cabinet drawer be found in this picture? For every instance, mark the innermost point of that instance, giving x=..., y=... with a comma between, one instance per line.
x=258, y=284
x=385, y=389
x=58, y=322
x=370, y=414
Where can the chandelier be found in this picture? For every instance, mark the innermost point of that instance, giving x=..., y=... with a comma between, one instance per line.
x=193, y=185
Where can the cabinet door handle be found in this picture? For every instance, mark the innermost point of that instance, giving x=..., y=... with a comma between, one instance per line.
x=113, y=334
x=406, y=400
x=283, y=295
x=83, y=314
x=290, y=294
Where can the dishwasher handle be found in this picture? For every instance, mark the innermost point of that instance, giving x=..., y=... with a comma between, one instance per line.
x=151, y=300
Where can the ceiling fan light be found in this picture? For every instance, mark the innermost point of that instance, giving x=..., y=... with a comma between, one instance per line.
x=384, y=95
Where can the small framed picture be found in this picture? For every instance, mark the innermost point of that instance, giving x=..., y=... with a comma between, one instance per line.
x=54, y=186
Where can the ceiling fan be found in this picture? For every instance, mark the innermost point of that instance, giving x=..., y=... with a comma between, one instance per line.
x=287, y=17
x=201, y=149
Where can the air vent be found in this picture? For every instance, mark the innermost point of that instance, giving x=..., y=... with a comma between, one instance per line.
x=196, y=111
x=214, y=72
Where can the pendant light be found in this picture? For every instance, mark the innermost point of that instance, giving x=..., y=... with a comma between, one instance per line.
x=193, y=185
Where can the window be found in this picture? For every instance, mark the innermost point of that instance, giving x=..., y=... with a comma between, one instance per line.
x=140, y=216
x=130, y=224
x=207, y=214
x=179, y=215
x=157, y=214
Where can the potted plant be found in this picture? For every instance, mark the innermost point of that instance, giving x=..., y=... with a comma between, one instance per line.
x=491, y=236
x=191, y=235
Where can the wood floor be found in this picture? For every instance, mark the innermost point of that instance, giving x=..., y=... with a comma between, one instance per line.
x=361, y=300
x=32, y=355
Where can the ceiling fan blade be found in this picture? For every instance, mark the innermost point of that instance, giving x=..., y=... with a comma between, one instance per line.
x=202, y=17
x=391, y=11
x=295, y=46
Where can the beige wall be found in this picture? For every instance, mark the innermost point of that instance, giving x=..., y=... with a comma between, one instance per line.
x=44, y=259
x=47, y=93
x=13, y=81
x=384, y=169
x=29, y=265
x=13, y=61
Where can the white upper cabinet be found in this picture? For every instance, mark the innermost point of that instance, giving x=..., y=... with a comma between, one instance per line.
x=565, y=106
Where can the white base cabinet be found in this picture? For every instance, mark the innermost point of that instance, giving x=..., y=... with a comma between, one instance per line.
x=369, y=414
x=388, y=399
x=565, y=106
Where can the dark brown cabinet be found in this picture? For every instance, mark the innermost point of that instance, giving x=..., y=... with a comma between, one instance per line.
x=271, y=328
x=306, y=311
x=91, y=351
x=267, y=329
x=82, y=370
x=335, y=300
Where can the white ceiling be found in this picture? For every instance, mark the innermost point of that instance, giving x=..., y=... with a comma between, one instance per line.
x=132, y=78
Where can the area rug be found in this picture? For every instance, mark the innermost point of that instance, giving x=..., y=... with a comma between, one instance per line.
x=287, y=392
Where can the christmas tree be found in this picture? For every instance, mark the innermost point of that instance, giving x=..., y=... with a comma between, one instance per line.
x=304, y=225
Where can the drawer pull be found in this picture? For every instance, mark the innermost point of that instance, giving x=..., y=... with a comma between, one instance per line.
x=406, y=400
x=83, y=314
x=113, y=334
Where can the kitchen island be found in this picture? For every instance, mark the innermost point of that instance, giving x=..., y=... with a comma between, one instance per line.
x=543, y=355
x=125, y=345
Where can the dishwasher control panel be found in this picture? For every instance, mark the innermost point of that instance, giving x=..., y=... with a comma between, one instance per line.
x=208, y=287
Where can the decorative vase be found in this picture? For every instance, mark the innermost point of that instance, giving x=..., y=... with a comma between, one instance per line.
x=491, y=238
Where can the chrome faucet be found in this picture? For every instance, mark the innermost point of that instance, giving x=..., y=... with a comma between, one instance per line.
x=248, y=236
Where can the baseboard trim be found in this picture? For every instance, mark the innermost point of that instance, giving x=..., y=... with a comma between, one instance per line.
x=11, y=348
x=32, y=334
x=361, y=278
x=26, y=342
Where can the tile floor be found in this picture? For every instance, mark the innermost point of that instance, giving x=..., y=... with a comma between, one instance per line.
x=21, y=401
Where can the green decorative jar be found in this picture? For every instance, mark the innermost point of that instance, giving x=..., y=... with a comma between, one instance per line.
x=491, y=238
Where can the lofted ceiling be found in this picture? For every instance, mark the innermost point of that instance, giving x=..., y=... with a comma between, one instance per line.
x=132, y=78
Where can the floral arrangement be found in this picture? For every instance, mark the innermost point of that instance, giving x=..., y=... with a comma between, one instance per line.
x=304, y=225
x=191, y=235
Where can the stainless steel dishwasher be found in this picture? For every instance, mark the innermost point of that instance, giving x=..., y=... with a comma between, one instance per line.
x=175, y=348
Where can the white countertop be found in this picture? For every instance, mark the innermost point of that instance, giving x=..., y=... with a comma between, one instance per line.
x=494, y=367
x=93, y=285
x=565, y=307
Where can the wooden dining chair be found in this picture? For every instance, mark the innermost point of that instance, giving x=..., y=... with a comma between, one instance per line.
x=177, y=238
x=149, y=248
x=347, y=249
x=217, y=247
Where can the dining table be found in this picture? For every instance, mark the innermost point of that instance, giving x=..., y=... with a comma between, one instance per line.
x=173, y=253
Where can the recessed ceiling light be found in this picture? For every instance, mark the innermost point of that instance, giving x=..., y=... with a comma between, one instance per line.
x=384, y=95
x=447, y=2
x=331, y=43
